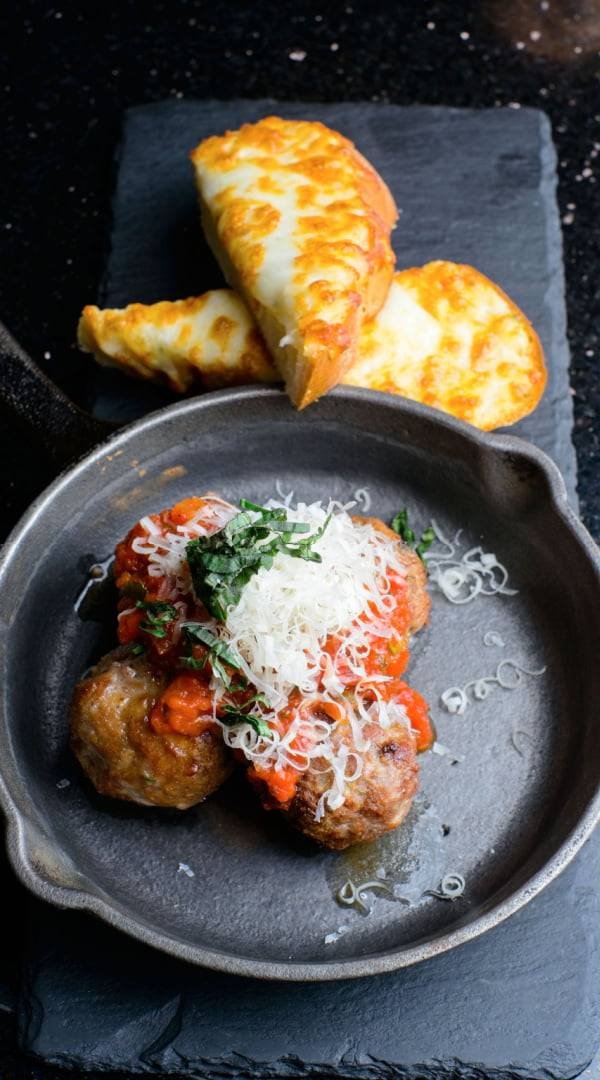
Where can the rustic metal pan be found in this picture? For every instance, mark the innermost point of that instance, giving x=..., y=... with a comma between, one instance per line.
x=261, y=901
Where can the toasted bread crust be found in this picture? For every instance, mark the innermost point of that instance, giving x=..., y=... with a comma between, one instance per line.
x=300, y=224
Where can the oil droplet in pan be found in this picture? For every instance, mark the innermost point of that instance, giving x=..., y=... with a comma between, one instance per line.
x=411, y=859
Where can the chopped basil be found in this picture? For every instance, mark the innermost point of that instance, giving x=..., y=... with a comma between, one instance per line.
x=158, y=614
x=219, y=652
x=223, y=563
x=231, y=717
x=426, y=541
x=400, y=525
x=193, y=663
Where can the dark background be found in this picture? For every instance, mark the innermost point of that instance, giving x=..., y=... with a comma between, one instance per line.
x=70, y=69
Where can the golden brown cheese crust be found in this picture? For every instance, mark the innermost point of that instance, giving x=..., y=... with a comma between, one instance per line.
x=446, y=336
x=449, y=337
x=210, y=339
x=301, y=225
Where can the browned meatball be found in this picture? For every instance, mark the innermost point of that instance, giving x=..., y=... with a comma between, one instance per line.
x=376, y=802
x=121, y=753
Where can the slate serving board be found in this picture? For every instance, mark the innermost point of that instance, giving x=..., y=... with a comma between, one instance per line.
x=524, y=1000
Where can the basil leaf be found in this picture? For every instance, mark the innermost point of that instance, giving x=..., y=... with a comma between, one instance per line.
x=232, y=717
x=198, y=632
x=158, y=614
x=224, y=562
x=289, y=527
x=400, y=525
x=193, y=663
x=425, y=542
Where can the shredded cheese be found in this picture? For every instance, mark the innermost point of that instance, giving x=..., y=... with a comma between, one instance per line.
x=460, y=577
x=353, y=895
x=286, y=613
x=445, y=751
x=363, y=499
x=452, y=887
x=166, y=549
x=509, y=674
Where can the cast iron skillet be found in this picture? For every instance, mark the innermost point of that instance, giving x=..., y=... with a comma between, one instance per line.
x=261, y=901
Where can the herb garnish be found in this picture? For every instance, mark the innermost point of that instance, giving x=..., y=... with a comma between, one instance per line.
x=425, y=542
x=218, y=652
x=134, y=589
x=223, y=563
x=158, y=614
x=232, y=717
x=400, y=525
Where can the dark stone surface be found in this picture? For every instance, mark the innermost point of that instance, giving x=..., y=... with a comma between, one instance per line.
x=70, y=72
x=523, y=1001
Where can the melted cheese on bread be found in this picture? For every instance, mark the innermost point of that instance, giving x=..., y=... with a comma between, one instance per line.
x=449, y=337
x=300, y=224
x=211, y=339
x=446, y=336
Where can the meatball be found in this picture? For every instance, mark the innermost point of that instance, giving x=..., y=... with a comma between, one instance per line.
x=376, y=802
x=121, y=753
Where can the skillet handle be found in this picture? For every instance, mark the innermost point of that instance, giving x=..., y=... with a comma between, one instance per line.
x=39, y=864
x=65, y=430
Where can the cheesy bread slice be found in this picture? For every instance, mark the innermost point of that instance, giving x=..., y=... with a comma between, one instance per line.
x=300, y=224
x=211, y=340
x=446, y=336
x=449, y=337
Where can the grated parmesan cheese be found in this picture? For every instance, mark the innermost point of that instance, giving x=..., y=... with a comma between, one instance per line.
x=460, y=577
x=286, y=613
x=509, y=674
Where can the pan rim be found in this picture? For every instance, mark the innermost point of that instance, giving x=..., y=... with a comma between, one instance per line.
x=13, y=797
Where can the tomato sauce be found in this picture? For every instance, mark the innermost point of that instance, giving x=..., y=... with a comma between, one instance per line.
x=416, y=708
x=388, y=655
x=184, y=707
x=281, y=783
x=138, y=587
